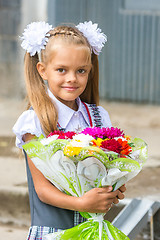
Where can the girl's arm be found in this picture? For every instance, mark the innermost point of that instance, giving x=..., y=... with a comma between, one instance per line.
x=96, y=200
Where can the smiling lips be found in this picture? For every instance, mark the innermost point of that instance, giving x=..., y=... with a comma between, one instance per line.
x=69, y=88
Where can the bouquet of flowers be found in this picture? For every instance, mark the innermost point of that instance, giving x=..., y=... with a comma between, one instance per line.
x=77, y=162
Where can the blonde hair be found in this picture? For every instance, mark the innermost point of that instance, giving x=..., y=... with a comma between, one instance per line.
x=36, y=87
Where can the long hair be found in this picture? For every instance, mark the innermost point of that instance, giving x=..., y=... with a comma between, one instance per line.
x=91, y=92
x=37, y=94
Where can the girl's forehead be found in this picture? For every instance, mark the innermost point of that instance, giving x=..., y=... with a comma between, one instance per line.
x=66, y=52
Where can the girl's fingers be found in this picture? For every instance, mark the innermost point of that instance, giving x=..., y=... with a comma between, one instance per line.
x=108, y=208
x=108, y=189
x=115, y=201
x=120, y=195
x=122, y=188
x=100, y=199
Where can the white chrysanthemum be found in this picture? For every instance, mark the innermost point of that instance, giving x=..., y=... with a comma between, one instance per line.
x=35, y=37
x=81, y=140
x=94, y=35
x=46, y=141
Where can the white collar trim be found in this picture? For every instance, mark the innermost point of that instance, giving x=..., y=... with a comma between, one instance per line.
x=63, y=119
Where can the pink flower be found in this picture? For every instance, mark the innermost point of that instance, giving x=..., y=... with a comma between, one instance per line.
x=112, y=132
x=95, y=132
x=103, y=133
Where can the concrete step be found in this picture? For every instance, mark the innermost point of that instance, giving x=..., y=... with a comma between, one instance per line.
x=135, y=216
x=14, y=207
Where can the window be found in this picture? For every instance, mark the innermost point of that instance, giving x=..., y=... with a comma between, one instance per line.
x=144, y=5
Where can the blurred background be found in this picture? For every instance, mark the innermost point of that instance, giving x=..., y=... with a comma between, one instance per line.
x=129, y=62
x=129, y=90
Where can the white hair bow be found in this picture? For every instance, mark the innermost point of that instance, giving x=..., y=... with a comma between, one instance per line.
x=94, y=35
x=35, y=36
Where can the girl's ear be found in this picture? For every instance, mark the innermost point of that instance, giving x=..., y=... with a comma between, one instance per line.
x=41, y=68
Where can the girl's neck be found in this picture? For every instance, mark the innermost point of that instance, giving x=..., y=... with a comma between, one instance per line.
x=71, y=104
x=75, y=108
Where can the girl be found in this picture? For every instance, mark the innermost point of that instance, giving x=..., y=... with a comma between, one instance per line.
x=66, y=58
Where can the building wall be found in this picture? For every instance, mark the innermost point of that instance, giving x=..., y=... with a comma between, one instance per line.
x=14, y=16
x=10, y=16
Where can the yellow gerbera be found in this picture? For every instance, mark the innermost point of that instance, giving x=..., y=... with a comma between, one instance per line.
x=97, y=142
x=70, y=151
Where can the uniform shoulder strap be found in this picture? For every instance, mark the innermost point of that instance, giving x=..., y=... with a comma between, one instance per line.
x=93, y=114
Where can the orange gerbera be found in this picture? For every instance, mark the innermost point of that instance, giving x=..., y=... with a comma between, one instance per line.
x=126, y=149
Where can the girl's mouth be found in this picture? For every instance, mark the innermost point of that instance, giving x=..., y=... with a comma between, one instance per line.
x=68, y=88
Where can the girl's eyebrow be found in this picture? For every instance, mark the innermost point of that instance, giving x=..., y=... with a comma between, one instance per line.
x=66, y=66
x=60, y=65
x=85, y=65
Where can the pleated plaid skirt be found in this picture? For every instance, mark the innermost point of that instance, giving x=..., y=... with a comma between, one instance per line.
x=37, y=232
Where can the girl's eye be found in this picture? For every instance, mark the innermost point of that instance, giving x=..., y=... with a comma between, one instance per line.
x=61, y=70
x=82, y=71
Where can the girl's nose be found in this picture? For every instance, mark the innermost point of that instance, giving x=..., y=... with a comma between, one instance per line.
x=71, y=77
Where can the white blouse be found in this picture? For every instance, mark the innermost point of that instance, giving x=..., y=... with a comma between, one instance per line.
x=69, y=119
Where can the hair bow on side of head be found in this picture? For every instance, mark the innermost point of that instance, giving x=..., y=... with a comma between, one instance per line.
x=35, y=37
x=94, y=35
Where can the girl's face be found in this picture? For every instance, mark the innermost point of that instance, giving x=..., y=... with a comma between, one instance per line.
x=67, y=72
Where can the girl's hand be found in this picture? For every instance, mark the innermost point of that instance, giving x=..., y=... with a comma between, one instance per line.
x=98, y=200
x=120, y=195
x=122, y=189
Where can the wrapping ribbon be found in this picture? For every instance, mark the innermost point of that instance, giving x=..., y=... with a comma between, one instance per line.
x=100, y=220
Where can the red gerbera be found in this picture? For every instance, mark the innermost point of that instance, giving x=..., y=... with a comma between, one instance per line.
x=111, y=145
x=62, y=135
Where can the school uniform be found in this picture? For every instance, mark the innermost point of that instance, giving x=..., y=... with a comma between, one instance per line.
x=46, y=218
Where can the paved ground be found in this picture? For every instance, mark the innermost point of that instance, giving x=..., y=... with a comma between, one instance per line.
x=13, y=233
x=136, y=120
